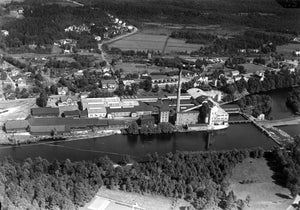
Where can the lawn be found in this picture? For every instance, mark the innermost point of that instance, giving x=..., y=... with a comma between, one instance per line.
x=144, y=41
x=264, y=193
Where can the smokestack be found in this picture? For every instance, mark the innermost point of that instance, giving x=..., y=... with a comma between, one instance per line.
x=179, y=91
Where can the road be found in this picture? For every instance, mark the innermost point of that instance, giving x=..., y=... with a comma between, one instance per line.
x=103, y=53
x=281, y=122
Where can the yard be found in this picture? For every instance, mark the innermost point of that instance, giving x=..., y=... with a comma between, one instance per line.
x=264, y=193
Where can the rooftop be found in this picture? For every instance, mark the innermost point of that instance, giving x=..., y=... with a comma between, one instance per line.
x=16, y=124
x=45, y=111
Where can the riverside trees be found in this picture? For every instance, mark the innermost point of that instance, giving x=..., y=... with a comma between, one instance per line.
x=197, y=177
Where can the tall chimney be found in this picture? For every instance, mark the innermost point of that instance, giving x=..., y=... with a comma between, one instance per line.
x=179, y=91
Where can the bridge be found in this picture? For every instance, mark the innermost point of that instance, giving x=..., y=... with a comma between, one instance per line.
x=281, y=122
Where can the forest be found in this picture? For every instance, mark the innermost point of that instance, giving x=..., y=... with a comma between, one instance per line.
x=44, y=24
x=259, y=104
x=288, y=166
x=200, y=178
x=247, y=13
x=293, y=100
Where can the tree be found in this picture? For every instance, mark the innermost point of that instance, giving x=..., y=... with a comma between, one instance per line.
x=3, y=75
x=24, y=93
x=41, y=101
x=155, y=89
x=133, y=128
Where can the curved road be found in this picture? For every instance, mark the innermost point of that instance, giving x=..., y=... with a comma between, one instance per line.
x=103, y=53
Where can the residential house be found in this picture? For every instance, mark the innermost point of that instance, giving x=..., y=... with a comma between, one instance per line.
x=110, y=84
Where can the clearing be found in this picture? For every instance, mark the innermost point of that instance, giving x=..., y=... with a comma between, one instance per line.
x=264, y=193
x=124, y=200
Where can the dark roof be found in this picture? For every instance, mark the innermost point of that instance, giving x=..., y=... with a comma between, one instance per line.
x=78, y=113
x=141, y=107
x=230, y=106
x=48, y=128
x=73, y=123
x=116, y=122
x=45, y=111
x=16, y=124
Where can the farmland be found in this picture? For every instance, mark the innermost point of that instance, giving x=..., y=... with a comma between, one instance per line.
x=144, y=41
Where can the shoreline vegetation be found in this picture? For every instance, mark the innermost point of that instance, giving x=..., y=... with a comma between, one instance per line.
x=293, y=101
x=199, y=178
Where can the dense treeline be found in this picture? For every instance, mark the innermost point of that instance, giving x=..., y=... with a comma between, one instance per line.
x=288, y=165
x=259, y=104
x=192, y=36
x=88, y=82
x=293, y=100
x=150, y=128
x=44, y=24
x=205, y=12
x=14, y=62
x=271, y=81
x=249, y=40
x=198, y=178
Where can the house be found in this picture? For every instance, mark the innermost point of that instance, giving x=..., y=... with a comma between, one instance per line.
x=110, y=84
x=45, y=112
x=68, y=100
x=5, y=32
x=297, y=52
x=16, y=126
x=234, y=73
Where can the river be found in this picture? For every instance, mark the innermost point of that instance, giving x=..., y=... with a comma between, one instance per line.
x=235, y=137
x=280, y=110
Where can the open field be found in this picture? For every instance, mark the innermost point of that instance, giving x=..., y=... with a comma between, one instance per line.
x=252, y=68
x=140, y=68
x=16, y=109
x=167, y=29
x=288, y=48
x=142, y=41
x=264, y=193
x=146, y=201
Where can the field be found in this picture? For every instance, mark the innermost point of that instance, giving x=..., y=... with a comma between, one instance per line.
x=252, y=68
x=146, y=201
x=264, y=193
x=146, y=41
x=140, y=68
x=288, y=48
